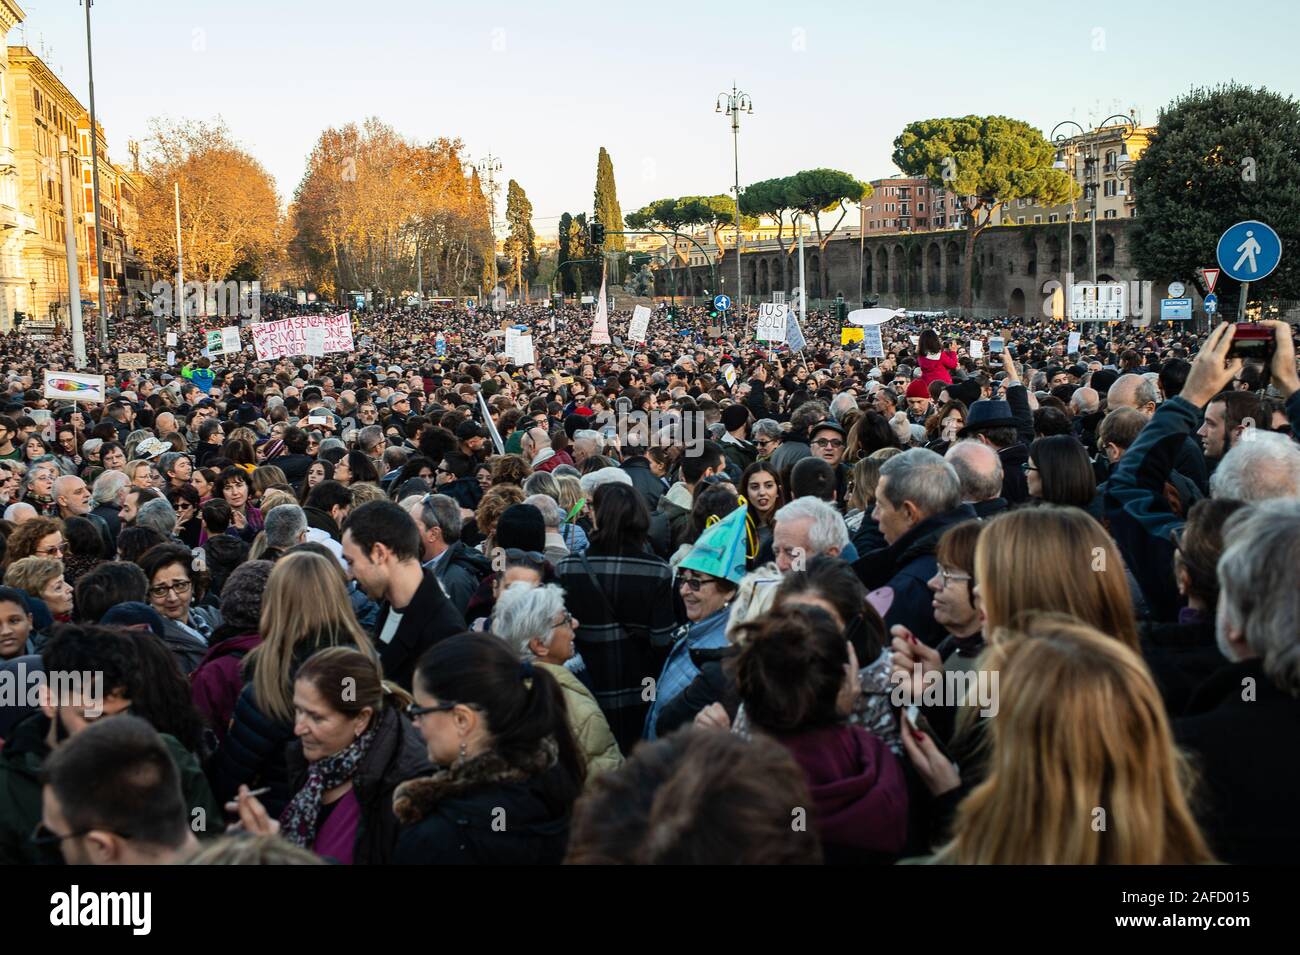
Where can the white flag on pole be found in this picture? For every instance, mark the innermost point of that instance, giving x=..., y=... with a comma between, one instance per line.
x=600, y=328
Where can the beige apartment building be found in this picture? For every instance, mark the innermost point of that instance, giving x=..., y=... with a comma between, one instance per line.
x=1101, y=161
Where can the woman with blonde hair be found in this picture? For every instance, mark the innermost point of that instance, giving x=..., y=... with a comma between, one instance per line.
x=1036, y=560
x=42, y=577
x=1053, y=559
x=1081, y=759
x=572, y=529
x=264, y=478
x=305, y=608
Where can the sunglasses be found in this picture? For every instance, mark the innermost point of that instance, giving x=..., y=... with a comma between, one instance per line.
x=693, y=584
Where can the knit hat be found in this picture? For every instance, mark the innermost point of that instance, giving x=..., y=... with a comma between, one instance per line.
x=241, y=595
x=967, y=392
x=734, y=417
x=133, y=615
x=918, y=389
x=521, y=526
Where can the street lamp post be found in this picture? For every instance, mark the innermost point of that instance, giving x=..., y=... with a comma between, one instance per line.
x=1066, y=148
x=734, y=103
x=1067, y=154
x=94, y=173
x=489, y=167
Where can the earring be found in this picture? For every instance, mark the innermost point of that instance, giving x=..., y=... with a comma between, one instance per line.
x=463, y=752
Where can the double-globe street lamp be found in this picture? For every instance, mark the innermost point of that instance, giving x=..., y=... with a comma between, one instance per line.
x=1084, y=143
x=734, y=103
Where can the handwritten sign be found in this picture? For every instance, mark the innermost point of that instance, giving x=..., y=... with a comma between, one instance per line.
x=290, y=336
x=132, y=360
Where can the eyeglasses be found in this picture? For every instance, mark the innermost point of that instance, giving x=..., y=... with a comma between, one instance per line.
x=1027, y=467
x=415, y=712
x=181, y=588
x=565, y=621
x=55, y=550
x=828, y=443
x=693, y=584
x=43, y=835
x=949, y=577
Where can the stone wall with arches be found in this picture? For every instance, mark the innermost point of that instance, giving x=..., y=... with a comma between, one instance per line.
x=923, y=270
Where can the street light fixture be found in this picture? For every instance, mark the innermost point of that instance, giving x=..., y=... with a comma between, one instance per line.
x=1069, y=147
x=734, y=103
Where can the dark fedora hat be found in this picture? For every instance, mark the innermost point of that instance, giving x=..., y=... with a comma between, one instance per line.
x=985, y=414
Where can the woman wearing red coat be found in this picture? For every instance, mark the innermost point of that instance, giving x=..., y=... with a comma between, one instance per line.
x=936, y=364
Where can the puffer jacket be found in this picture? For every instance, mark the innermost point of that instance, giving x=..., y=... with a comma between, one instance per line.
x=456, y=816
x=590, y=728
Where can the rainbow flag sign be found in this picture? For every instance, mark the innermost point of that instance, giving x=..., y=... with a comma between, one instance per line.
x=68, y=385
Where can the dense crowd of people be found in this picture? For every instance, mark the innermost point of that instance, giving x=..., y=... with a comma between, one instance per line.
x=698, y=599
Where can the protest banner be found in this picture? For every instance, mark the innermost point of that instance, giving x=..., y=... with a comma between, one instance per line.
x=288, y=337
x=71, y=386
x=772, y=322
x=872, y=346
x=850, y=335
x=132, y=360
x=640, y=323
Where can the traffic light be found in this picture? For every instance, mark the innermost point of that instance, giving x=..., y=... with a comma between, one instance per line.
x=597, y=235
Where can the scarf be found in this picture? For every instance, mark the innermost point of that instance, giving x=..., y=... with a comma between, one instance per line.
x=300, y=819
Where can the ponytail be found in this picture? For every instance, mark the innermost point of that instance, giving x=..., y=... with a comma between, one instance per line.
x=523, y=705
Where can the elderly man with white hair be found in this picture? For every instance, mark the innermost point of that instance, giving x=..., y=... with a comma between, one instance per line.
x=585, y=444
x=20, y=513
x=1241, y=724
x=805, y=528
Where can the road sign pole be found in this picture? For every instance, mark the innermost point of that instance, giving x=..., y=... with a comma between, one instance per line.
x=1241, y=302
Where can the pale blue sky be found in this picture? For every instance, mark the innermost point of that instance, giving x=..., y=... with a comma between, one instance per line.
x=543, y=86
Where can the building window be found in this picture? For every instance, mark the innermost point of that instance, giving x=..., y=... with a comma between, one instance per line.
x=1020, y=220
x=1053, y=217
x=1110, y=187
x=1111, y=214
x=920, y=207
x=1038, y=218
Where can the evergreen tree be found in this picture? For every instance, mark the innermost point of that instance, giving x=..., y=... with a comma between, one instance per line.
x=607, y=209
x=521, y=245
x=1219, y=156
x=564, y=253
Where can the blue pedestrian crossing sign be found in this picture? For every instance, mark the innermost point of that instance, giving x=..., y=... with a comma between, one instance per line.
x=722, y=302
x=1249, y=251
x=1211, y=304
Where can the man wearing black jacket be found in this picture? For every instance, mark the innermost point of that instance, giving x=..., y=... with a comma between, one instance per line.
x=382, y=547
